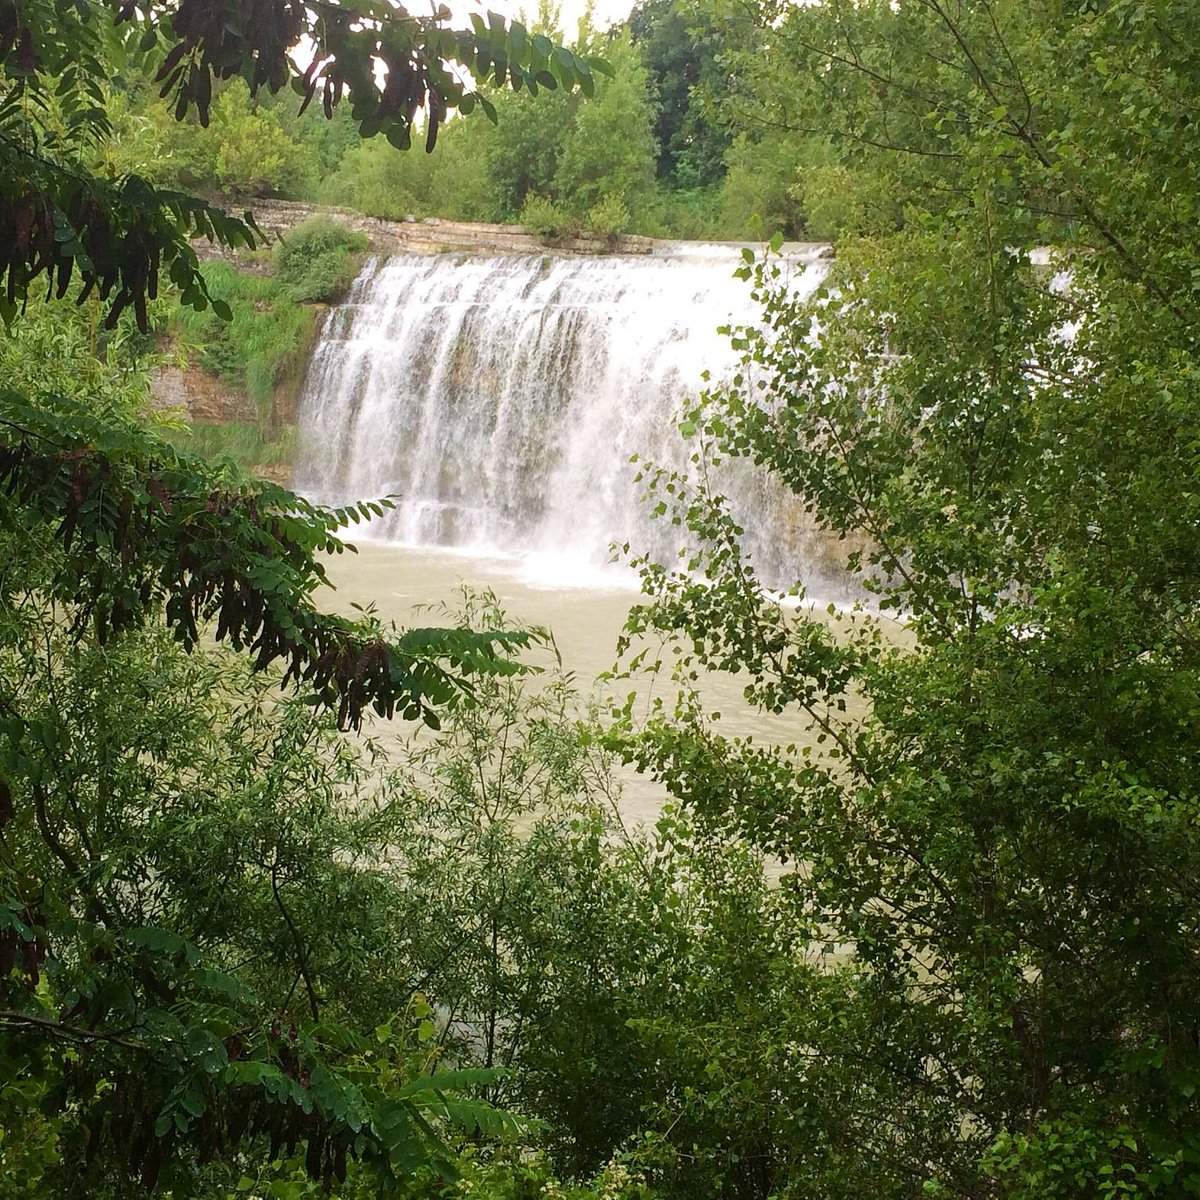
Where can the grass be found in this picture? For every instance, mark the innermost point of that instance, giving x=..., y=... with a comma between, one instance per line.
x=265, y=340
x=246, y=445
x=264, y=349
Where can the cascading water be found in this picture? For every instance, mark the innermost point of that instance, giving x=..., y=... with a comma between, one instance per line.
x=500, y=400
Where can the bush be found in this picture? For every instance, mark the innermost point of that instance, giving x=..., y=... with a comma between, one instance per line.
x=688, y=213
x=318, y=260
x=548, y=220
x=838, y=200
x=373, y=178
x=758, y=197
x=455, y=182
x=244, y=151
x=609, y=217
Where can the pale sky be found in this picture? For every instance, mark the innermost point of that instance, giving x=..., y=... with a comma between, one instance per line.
x=606, y=12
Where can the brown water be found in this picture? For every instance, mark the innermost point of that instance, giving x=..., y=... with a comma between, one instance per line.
x=585, y=620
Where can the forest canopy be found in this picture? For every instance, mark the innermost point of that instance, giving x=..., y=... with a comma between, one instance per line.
x=668, y=143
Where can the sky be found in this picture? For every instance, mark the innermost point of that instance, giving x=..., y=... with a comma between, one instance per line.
x=606, y=12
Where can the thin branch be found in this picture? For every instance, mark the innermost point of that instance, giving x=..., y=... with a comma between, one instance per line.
x=71, y=1033
x=301, y=951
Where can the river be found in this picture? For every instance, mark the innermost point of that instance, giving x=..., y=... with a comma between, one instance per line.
x=585, y=620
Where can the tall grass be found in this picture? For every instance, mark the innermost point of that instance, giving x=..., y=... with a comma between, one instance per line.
x=260, y=345
x=266, y=345
x=247, y=445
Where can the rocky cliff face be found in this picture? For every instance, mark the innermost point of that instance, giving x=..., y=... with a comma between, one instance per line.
x=435, y=236
x=201, y=396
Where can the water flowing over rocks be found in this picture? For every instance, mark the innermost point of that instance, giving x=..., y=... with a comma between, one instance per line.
x=500, y=399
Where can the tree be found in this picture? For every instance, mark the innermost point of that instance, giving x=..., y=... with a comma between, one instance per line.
x=680, y=56
x=248, y=149
x=117, y=235
x=609, y=149
x=121, y=1009
x=993, y=812
x=523, y=158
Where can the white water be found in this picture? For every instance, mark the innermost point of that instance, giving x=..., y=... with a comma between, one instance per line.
x=500, y=400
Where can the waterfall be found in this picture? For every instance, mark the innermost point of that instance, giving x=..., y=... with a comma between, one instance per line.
x=501, y=399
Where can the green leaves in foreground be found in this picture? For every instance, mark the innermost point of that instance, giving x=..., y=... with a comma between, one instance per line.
x=161, y=1055
x=60, y=222
x=137, y=526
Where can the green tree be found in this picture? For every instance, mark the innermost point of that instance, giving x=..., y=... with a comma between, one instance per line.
x=994, y=822
x=523, y=159
x=758, y=196
x=609, y=148
x=680, y=55
x=135, y=1041
x=645, y=987
x=251, y=151
x=455, y=184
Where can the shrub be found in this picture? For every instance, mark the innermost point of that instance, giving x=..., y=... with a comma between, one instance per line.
x=688, y=213
x=317, y=260
x=757, y=199
x=548, y=220
x=609, y=217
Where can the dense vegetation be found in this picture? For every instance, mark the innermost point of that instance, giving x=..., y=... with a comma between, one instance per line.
x=243, y=952
x=664, y=147
x=260, y=353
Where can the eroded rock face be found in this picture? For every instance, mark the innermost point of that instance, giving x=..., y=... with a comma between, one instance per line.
x=433, y=235
x=201, y=396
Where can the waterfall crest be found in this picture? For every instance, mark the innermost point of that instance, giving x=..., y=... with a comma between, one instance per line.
x=500, y=399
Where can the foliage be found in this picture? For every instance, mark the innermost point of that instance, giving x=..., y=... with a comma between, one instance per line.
x=317, y=260
x=994, y=818
x=759, y=197
x=323, y=142
x=608, y=150
x=60, y=221
x=578, y=156
x=250, y=446
x=516, y=1176
x=524, y=157
x=454, y=183
x=244, y=149
x=266, y=337
x=693, y=215
x=207, y=967
x=251, y=146
x=174, y=1001
x=287, y=924
x=548, y=220
x=143, y=526
x=680, y=54
x=64, y=347
x=645, y=991
x=608, y=216
x=802, y=187
x=265, y=346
